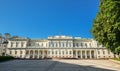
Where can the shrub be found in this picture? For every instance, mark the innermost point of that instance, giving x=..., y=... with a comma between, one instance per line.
x=5, y=58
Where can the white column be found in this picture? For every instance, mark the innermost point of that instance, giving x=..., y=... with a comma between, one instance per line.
x=38, y=54
x=95, y=54
x=42, y=53
x=58, y=44
x=85, y=54
x=72, y=54
x=50, y=53
x=76, y=54
x=65, y=44
x=90, y=54
x=81, y=54
x=29, y=53
x=58, y=53
x=68, y=53
x=33, y=54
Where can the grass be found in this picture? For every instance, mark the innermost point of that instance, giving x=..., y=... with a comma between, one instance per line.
x=118, y=59
x=5, y=58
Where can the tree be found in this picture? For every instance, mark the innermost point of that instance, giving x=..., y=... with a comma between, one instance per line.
x=106, y=25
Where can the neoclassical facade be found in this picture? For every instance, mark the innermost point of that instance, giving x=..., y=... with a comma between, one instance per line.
x=57, y=47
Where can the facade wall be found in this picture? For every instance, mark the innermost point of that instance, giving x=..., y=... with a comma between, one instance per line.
x=58, y=47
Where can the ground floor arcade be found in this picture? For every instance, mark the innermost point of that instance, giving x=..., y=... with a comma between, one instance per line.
x=41, y=53
x=60, y=53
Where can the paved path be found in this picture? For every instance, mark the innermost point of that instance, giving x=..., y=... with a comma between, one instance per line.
x=59, y=65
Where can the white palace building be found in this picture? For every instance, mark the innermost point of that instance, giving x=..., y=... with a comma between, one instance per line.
x=56, y=47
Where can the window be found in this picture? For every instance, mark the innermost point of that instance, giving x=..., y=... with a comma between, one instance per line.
x=59, y=44
x=42, y=44
x=69, y=44
x=108, y=51
x=81, y=44
x=62, y=52
x=59, y=52
x=56, y=52
x=90, y=44
x=15, y=52
x=85, y=44
x=98, y=52
x=22, y=44
x=49, y=44
x=73, y=44
x=66, y=44
x=20, y=52
x=70, y=52
x=49, y=52
x=53, y=45
x=17, y=44
x=56, y=45
x=10, y=52
x=38, y=44
x=11, y=44
x=66, y=52
x=103, y=52
x=52, y=52
x=76, y=44
x=63, y=45
x=97, y=44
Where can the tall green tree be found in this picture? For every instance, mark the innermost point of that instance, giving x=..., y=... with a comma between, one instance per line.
x=106, y=25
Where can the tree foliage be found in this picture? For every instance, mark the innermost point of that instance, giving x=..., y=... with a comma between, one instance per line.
x=106, y=25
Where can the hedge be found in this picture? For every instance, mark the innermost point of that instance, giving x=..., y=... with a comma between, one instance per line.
x=5, y=58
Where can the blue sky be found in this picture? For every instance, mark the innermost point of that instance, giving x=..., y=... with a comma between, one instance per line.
x=43, y=18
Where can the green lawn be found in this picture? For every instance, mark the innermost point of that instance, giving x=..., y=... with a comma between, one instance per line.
x=118, y=59
x=5, y=58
